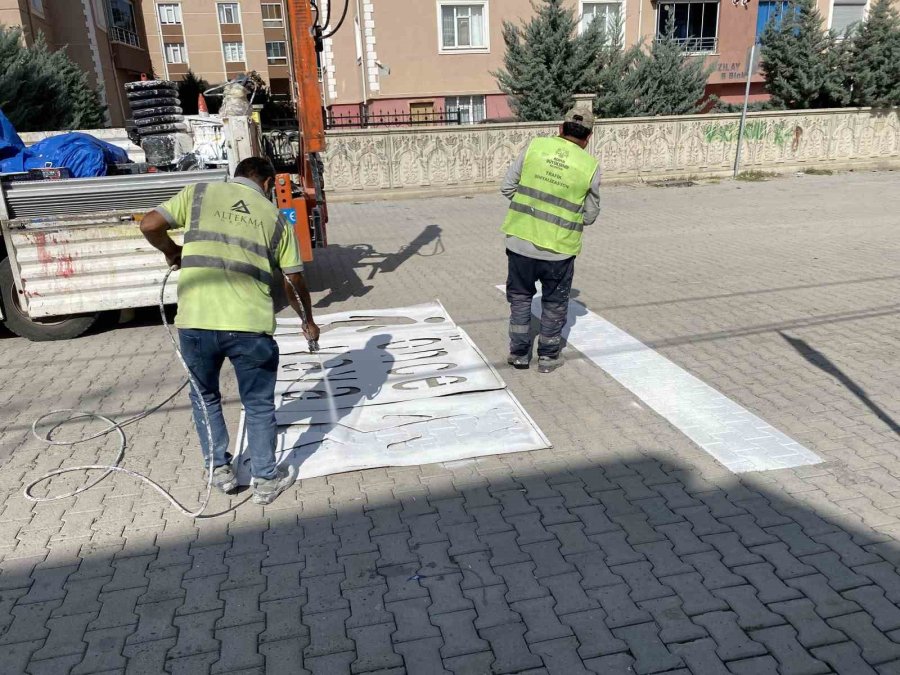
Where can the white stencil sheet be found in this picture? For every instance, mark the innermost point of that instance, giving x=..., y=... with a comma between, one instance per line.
x=410, y=387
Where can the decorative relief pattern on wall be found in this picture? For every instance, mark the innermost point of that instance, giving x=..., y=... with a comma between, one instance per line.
x=453, y=157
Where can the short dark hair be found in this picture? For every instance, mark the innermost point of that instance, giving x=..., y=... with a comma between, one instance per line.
x=259, y=169
x=576, y=130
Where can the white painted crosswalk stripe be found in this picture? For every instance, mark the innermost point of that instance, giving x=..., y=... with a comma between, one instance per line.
x=733, y=435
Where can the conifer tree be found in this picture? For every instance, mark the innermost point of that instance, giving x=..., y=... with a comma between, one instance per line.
x=873, y=62
x=41, y=90
x=666, y=80
x=804, y=65
x=547, y=61
x=189, y=90
x=82, y=101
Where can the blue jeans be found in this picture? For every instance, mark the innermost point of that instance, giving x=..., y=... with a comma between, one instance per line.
x=254, y=357
x=521, y=286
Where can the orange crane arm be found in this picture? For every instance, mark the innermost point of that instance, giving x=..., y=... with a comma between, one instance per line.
x=303, y=41
x=308, y=205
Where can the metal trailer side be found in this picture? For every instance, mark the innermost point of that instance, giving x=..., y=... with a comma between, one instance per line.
x=74, y=247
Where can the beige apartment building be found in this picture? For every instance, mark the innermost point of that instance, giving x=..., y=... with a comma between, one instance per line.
x=104, y=37
x=219, y=40
x=420, y=56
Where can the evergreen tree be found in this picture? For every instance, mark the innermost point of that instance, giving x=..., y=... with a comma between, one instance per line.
x=873, y=64
x=42, y=90
x=547, y=61
x=82, y=101
x=802, y=62
x=189, y=90
x=617, y=86
x=666, y=80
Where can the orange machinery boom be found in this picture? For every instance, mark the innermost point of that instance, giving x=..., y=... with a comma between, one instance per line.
x=305, y=203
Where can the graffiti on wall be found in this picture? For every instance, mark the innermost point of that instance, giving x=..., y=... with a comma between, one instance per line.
x=756, y=131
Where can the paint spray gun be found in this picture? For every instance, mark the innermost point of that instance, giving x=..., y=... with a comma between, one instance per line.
x=313, y=344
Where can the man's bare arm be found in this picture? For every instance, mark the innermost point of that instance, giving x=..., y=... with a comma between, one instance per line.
x=155, y=229
x=295, y=287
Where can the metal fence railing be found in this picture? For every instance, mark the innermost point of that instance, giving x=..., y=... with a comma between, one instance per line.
x=364, y=119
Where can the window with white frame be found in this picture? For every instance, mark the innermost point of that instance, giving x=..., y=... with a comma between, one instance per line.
x=272, y=15
x=170, y=14
x=846, y=13
x=608, y=13
x=463, y=25
x=276, y=52
x=175, y=52
x=695, y=22
x=234, y=51
x=469, y=108
x=229, y=12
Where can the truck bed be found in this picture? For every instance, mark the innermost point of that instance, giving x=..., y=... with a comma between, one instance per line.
x=75, y=245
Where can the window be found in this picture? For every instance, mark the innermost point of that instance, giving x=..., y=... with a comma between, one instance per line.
x=470, y=108
x=271, y=15
x=276, y=52
x=607, y=12
x=234, y=52
x=99, y=7
x=229, y=12
x=38, y=6
x=696, y=24
x=175, y=52
x=421, y=111
x=463, y=26
x=121, y=14
x=846, y=13
x=769, y=10
x=170, y=14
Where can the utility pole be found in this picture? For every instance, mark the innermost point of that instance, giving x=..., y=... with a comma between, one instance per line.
x=740, y=140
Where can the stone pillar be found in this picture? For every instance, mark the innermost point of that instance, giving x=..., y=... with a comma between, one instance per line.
x=585, y=101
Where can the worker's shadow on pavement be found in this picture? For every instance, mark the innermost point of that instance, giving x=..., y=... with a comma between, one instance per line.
x=354, y=378
x=335, y=267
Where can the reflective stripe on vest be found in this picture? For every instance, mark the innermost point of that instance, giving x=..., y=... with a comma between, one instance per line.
x=203, y=256
x=548, y=206
x=225, y=264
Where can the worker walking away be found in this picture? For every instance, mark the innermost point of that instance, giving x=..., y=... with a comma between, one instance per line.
x=235, y=241
x=554, y=186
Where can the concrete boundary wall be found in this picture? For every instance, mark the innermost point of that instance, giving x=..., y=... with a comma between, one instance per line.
x=440, y=160
x=388, y=163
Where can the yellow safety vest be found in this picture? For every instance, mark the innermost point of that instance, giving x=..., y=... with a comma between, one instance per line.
x=548, y=206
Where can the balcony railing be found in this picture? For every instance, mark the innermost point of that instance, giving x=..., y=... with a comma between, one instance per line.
x=697, y=45
x=127, y=37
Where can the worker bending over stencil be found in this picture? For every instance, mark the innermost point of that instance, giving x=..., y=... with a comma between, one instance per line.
x=234, y=242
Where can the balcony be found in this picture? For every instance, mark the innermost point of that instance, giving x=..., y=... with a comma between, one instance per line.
x=697, y=45
x=124, y=36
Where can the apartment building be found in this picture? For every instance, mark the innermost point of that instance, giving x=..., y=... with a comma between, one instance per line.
x=104, y=37
x=420, y=56
x=219, y=40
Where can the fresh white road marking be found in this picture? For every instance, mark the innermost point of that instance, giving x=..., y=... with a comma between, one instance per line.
x=733, y=435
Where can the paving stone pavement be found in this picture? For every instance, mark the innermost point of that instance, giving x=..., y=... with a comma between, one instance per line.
x=624, y=549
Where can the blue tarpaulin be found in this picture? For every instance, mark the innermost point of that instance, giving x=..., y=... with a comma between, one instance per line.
x=84, y=155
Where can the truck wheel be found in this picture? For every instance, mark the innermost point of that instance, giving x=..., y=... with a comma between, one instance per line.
x=57, y=328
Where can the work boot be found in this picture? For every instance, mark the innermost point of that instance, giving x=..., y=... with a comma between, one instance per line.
x=224, y=479
x=547, y=364
x=265, y=490
x=518, y=362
